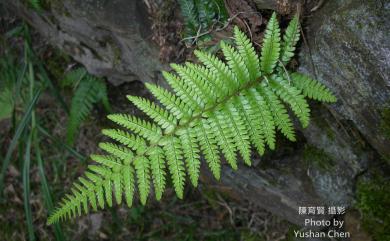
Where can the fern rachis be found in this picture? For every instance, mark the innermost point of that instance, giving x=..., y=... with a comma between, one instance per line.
x=215, y=108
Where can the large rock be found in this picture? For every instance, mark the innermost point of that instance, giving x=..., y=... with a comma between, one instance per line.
x=110, y=38
x=350, y=51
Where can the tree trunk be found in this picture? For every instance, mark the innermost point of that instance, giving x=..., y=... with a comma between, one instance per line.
x=348, y=50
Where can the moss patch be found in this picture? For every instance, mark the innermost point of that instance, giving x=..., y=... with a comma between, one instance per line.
x=373, y=201
x=313, y=156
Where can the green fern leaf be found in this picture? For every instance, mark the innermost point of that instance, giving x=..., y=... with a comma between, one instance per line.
x=224, y=78
x=134, y=142
x=184, y=92
x=90, y=91
x=279, y=112
x=108, y=161
x=174, y=154
x=211, y=86
x=236, y=63
x=264, y=115
x=253, y=124
x=189, y=13
x=175, y=105
x=144, y=128
x=117, y=151
x=215, y=108
x=224, y=137
x=117, y=181
x=128, y=184
x=142, y=169
x=293, y=97
x=163, y=118
x=248, y=54
x=239, y=131
x=201, y=88
x=191, y=154
x=208, y=144
x=312, y=88
x=157, y=164
x=73, y=77
x=290, y=39
x=271, y=46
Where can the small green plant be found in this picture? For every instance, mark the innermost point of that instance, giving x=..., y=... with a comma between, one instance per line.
x=200, y=15
x=89, y=91
x=218, y=107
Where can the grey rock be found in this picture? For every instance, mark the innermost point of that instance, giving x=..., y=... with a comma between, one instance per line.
x=110, y=38
x=350, y=49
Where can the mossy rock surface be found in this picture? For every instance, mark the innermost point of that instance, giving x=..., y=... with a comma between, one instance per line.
x=350, y=51
x=373, y=201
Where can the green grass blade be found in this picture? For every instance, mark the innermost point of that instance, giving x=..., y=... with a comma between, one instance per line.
x=22, y=125
x=46, y=191
x=26, y=189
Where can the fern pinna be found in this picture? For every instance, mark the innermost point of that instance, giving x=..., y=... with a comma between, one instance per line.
x=217, y=107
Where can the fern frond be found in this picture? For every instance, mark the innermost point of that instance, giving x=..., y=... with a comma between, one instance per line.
x=197, y=84
x=248, y=53
x=264, y=115
x=134, y=142
x=188, y=10
x=239, y=131
x=128, y=184
x=157, y=164
x=208, y=145
x=271, y=46
x=108, y=161
x=144, y=128
x=214, y=108
x=162, y=117
x=224, y=78
x=182, y=90
x=224, y=137
x=290, y=39
x=312, y=88
x=279, y=112
x=293, y=97
x=90, y=91
x=174, y=154
x=117, y=151
x=191, y=154
x=142, y=170
x=175, y=105
x=253, y=124
x=236, y=63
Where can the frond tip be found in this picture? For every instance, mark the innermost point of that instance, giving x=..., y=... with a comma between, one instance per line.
x=218, y=109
